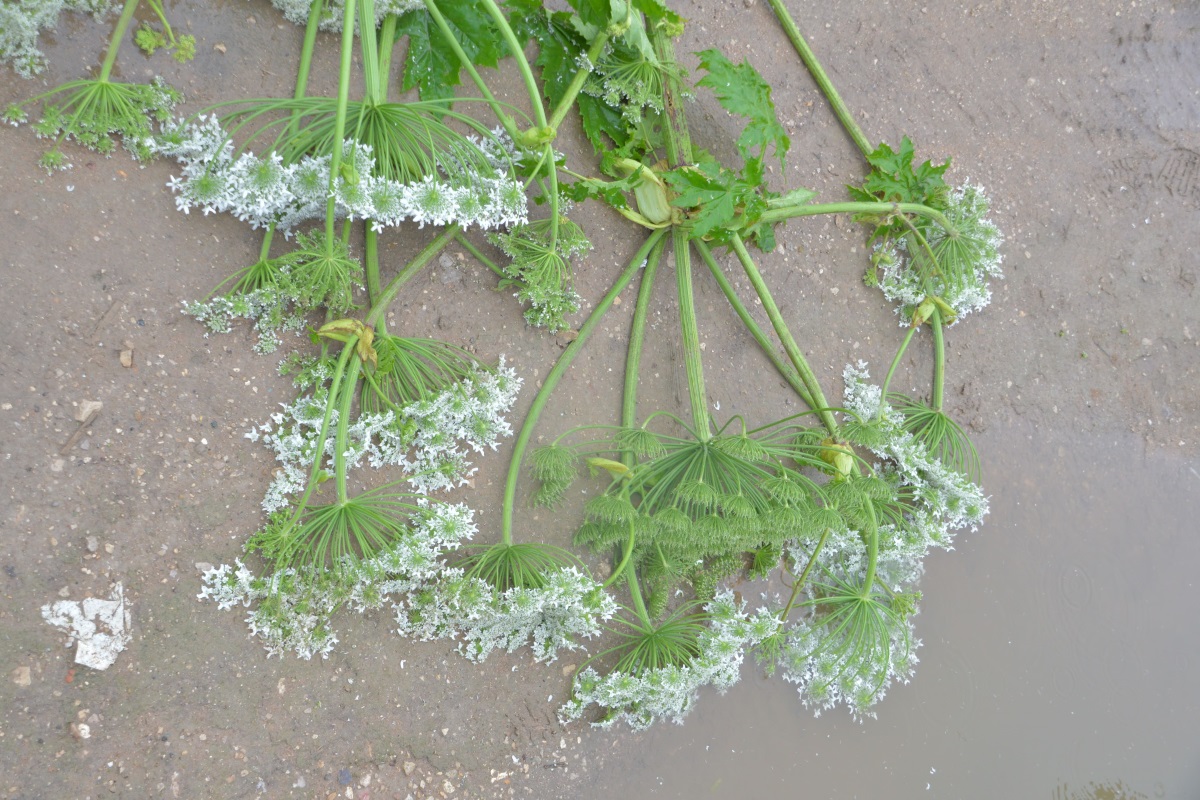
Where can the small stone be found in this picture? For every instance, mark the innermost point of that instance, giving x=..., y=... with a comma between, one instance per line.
x=447, y=787
x=81, y=730
x=93, y=544
x=344, y=777
x=203, y=567
x=445, y=731
x=86, y=409
x=568, y=669
x=617, y=300
x=126, y=358
x=409, y=766
x=220, y=48
x=64, y=591
x=21, y=676
x=57, y=465
x=109, y=547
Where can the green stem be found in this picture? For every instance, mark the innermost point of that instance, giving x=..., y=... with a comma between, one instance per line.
x=114, y=44
x=369, y=44
x=576, y=85
x=779, y=214
x=678, y=140
x=475, y=251
x=339, y=125
x=371, y=260
x=635, y=592
x=306, y=54
x=939, y=360
x=814, y=67
x=798, y=584
x=518, y=54
x=788, y=372
x=463, y=59
x=872, y=547
x=892, y=369
x=690, y=334
x=555, y=374
x=387, y=44
x=637, y=337
x=338, y=371
x=785, y=336
x=388, y=293
x=343, y=426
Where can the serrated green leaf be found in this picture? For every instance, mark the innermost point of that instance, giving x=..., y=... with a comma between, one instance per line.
x=431, y=65
x=742, y=91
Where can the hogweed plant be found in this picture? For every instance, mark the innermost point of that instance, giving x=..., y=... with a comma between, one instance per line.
x=836, y=504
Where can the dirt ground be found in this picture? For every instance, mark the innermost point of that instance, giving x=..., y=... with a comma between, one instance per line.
x=1082, y=119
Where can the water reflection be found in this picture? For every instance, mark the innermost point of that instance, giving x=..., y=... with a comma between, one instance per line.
x=1060, y=657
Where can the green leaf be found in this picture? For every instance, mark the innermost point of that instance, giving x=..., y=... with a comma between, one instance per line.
x=742, y=91
x=893, y=177
x=559, y=47
x=431, y=65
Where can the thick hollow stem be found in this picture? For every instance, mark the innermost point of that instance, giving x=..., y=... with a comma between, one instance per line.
x=479, y=255
x=635, y=592
x=506, y=120
x=690, y=334
x=887, y=381
x=343, y=103
x=576, y=85
x=678, y=140
x=802, y=578
x=785, y=336
x=306, y=54
x=319, y=456
x=369, y=44
x=343, y=426
x=518, y=54
x=785, y=370
x=814, y=67
x=380, y=304
x=939, y=360
x=371, y=262
x=637, y=337
x=555, y=374
x=773, y=215
x=114, y=44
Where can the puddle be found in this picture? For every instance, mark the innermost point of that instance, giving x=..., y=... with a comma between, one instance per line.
x=1059, y=657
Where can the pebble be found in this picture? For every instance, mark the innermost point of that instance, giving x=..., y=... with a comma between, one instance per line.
x=93, y=544
x=21, y=676
x=409, y=766
x=344, y=777
x=126, y=358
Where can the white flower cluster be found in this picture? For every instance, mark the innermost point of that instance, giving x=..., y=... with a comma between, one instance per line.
x=272, y=312
x=944, y=499
x=21, y=21
x=670, y=692
x=295, y=606
x=331, y=17
x=424, y=438
x=569, y=607
x=264, y=190
x=979, y=241
x=831, y=664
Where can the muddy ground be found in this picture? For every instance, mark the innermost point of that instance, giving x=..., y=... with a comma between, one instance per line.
x=1082, y=120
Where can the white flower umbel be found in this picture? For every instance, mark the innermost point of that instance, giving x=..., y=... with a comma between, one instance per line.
x=571, y=606
x=978, y=241
x=292, y=609
x=670, y=692
x=261, y=190
x=429, y=439
x=22, y=21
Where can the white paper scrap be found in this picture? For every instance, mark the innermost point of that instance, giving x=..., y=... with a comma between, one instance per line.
x=100, y=627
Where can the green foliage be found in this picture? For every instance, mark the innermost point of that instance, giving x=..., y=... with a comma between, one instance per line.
x=321, y=273
x=430, y=65
x=894, y=179
x=92, y=112
x=522, y=565
x=742, y=91
x=942, y=436
x=413, y=369
x=540, y=254
x=323, y=535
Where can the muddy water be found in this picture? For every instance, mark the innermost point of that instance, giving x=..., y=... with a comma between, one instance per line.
x=1059, y=661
